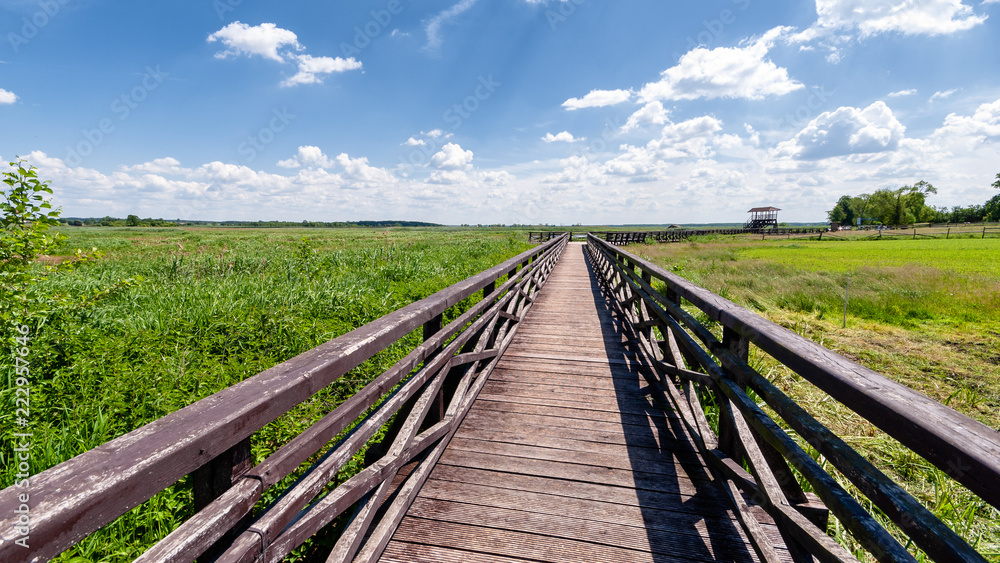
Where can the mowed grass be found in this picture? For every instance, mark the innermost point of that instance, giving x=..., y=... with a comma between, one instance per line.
x=925, y=313
x=170, y=316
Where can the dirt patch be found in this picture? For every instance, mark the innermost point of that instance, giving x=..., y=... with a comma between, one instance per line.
x=55, y=260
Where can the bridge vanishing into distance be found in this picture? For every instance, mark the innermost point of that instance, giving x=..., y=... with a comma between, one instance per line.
x=590, y=407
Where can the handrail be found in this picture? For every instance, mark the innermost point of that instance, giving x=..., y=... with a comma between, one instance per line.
x=75, y=498
x=962, y=447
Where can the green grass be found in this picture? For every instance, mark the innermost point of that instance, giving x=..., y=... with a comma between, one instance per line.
x=170, y=316
x=957, y=256
x=925, y=313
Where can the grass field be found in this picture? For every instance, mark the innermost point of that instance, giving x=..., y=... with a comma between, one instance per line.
x=170, y=316
x=925, y=313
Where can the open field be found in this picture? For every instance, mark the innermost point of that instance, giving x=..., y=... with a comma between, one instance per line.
x=170, y=316
x=922, y=312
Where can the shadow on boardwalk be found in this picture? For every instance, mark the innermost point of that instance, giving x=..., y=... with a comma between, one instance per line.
x=684, y=512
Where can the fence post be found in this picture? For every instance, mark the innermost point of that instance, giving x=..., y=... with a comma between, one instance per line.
x=216, y=477
x=729, y=440
x=431, y=328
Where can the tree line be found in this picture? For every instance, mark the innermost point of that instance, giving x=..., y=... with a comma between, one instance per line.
x=908, y=205
x=135, y=221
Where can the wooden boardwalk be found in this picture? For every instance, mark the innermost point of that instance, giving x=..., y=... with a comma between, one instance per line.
x=566, y=456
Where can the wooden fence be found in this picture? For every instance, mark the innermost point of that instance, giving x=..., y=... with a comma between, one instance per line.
x=624, y=238
x=430, y=389
x=949, y=232
x=692, y=362
x=545, y=236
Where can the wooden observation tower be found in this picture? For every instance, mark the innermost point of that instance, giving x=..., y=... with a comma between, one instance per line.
x=762, y=217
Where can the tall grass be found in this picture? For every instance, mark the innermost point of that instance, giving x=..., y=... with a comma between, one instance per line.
x=923, y=312
x=170, y=316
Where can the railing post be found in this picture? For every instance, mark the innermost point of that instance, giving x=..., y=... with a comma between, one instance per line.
x=216, y=477
x=431, y=328
x=729, y=440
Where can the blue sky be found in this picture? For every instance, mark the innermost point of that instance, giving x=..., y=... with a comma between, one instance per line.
x=503, y=111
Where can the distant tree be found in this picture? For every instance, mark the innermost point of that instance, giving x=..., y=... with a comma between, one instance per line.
x=997, y=183
x=132, y=221
x=991, y=210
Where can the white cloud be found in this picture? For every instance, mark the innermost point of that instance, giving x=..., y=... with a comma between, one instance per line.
x=564, y=137
x=264, y=40
x=448, y=177
x=362, y=174
x=7, y=97
x=724, y=72
x=846, y=131
x=939, y=95
x=308, y=156
x=902, y=93
x=909, y=17
x=277, y=44
x=436, y=134
x=412, y=142
x=498, y=178
x=311, y=67
x=452, y=157
x=597, y=99
x=971, y=130
x=653, y=113
x=433, y=26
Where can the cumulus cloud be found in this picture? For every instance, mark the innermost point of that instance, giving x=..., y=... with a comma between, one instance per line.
x=264, y=40
x=909, y=17
x=564, y=137
x=310, y=68
x=414, y=142
x=7, y=97
x=274, y=43
x=848, y=130
x=724, y=72
x=653, y=113
x=902, y=93
x=308, y=156
x=597, y=99
x=448, y=177
x=973, y=129
x=498, y=178
x=452, y=157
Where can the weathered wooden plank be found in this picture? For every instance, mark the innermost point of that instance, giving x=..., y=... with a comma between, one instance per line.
x=566, y=457
x=678, y=541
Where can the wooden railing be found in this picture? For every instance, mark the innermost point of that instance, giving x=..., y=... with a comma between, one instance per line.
x=544, y=236
x=429, y=390
x=692, y=361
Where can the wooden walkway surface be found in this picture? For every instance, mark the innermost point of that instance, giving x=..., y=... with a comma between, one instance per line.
x=565, y=457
